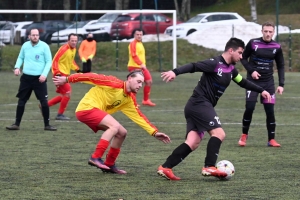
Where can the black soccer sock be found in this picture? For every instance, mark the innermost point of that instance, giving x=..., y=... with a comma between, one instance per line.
x=212, y=151
x=20, y=111
x=45, y=112
x=177, y=156
x=247, y=118
x=270, y=121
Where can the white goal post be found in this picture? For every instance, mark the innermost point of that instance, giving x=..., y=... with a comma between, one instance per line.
x=103, y=11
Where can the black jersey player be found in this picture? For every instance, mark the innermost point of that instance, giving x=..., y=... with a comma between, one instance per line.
x=199, y=110
x=258, y=59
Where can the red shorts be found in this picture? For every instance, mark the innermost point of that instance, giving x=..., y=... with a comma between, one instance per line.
x=91, y=118
x=146, y=72
x=64, y=89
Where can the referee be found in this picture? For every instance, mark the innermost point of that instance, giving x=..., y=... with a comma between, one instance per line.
x=35, y=55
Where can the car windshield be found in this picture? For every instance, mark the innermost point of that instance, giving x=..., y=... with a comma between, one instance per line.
x=123, y=18
x=197, y=18
x=108, y=18
x=7, y=26
x=78, y=25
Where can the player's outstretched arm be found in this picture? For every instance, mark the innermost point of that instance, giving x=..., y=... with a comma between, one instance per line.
x=162, y=137
x=168, y=76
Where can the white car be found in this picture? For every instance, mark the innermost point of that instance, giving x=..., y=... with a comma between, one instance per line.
x=8, y=31
x=101, y=29
x=203, y=21
x=78, y=28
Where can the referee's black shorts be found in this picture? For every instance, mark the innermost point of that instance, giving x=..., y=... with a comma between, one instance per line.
x=200, y=117
x=29, y=83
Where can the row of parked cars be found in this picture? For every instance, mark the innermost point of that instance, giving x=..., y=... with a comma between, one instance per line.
x=113, y=26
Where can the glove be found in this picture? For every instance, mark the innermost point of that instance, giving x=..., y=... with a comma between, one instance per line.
x=91, y=56
x=83, y=59
x=79, y=71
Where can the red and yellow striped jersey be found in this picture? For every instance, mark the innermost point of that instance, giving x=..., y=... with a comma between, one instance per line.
x=109, y=94
x=63, y=61
x=136, y=54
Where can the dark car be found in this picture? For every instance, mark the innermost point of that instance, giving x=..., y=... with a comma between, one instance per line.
x=125, y=24
x=47, y=28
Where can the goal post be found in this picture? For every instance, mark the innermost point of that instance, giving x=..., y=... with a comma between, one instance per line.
x=173, y=12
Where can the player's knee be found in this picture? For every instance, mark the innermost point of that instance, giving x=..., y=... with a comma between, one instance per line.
x=269, y=109
x=44, y=103
x=250, y=106
x=122, y=132
x=22, y=102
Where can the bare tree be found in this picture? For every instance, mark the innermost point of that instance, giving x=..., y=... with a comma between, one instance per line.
x=83, y=7
x=253, y=10
x=122, y=4
x=67, y=6
x=177, y=9
x=185, y=11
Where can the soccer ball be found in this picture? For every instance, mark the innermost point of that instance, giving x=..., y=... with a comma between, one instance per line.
x=226, y=166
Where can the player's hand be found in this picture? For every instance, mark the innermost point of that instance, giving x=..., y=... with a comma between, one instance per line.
x=266, y=95
x=162, y=137
x=255, y=75
x=83, y=59
x=17, y=72
x=42, y=78
x=143, y=66
x=59, y=80
x=91, y=57
x=279, y=90
x=168, y=76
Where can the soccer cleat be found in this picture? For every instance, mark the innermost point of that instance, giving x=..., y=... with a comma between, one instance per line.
x=148, y=103
x=13, y=127
x=61, y=117
x=167, y=173
x=97, y=162
x=243, y=139
x=50, y=128
x=273, y=143
x=213, y=171
x=113, y=169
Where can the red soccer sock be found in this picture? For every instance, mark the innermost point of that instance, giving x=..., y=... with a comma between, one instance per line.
x=147, y=90
x=112, y=156
x=100, y=148
x=63, y=104
x=54, y=101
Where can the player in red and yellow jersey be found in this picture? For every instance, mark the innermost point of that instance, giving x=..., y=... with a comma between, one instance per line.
x=62, y=64
x=110, y=95
x=137, y=60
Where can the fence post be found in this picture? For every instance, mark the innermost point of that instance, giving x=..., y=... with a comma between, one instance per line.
x=290, y=48
x=117, y=48
x=232, y=30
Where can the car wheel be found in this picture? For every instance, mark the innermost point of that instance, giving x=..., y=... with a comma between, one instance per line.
x=48, y=40
x=190, y=32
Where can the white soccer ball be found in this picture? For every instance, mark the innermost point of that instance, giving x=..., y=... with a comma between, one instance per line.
x=226, y=166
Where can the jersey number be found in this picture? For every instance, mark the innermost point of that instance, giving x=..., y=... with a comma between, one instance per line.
x=248, y=93
x=256, y=46
x=217, y=119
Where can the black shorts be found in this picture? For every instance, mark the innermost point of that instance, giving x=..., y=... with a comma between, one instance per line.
x=200, y=117
x=268, y=86
x=30, y=83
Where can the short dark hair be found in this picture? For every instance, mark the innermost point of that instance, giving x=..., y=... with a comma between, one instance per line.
x=140, y=30
x=267, y=24
x=134, y=73
x=33, y=29
x=234, y=43
x=72, y=34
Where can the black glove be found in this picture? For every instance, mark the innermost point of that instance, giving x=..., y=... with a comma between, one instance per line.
x=79, y=71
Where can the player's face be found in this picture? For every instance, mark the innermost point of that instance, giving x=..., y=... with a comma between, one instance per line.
x=73, y=41
x=138, y=35
x=34, y=36
x=268, y=32
x=135, y=83
x=236, y=55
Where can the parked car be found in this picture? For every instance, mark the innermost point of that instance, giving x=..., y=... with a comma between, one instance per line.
x=6, y=31
x=205, y=20
x=125, y=24
x=47, y=28
x=101, y=29
x=77, y=27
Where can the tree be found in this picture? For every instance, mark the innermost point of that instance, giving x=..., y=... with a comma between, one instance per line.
x=39, y=7
x=122, y=4
x=67, y=6
x=185, y=11
x=253, y=10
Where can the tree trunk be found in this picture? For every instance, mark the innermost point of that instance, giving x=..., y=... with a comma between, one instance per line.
x=253, y=10
x=125, y=4
x=118, y=4
x=39, y=7
x=177, y=9
x=183, y=10
x=67, y=6
x=83, y=7
x=188, y=9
